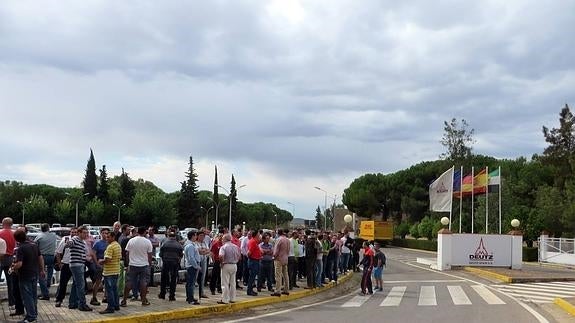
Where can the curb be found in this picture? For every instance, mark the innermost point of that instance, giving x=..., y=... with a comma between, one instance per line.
x=564, y=305
x=185, y=313
x=490, y=274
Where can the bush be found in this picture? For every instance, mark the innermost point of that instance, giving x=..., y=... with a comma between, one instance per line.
x=530, y=254
x=414, y=231
x=415, y=244
x=402, y=229
x=425, y=228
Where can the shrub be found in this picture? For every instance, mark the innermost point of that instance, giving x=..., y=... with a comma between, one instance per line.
x=414, y=231
x=402, y=229
x=530, y=254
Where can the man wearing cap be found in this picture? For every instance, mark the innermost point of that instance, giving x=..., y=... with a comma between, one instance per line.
x=171, y=253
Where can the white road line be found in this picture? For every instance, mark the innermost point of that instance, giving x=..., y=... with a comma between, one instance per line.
x=357, y=301
x=422, y=281
x=458, y=295
x=549, y=286
x=548, y=299
x=427, y=296
x=394, y=297
x=563, y=284
x=487, y=295
x=536, y=291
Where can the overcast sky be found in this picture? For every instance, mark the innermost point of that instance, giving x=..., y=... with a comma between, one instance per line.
x=286, y=95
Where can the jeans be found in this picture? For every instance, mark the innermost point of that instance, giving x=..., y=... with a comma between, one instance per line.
x=78, y=292
x=65, y=275
x=254, y=267
x=331, y=268
x=215, y=280
x=29, y=295
x=111, y=286
x=192, y=274
x=47, y=281
x=344, y=262
x=169, y=276
x=318, y=273
x=266, y=274
x=292, y=271
x=310, y=271
x=6, y=263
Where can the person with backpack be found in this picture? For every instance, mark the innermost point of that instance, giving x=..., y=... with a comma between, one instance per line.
x=379, y=263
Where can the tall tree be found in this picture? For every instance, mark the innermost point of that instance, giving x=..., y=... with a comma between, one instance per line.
x=234, y=196
x=103, y=193
x=90, y=179
x=216, y=196
x=457, y=139
x=561, y=150
x=319, y=218
x=188, y=203
x=127, y=189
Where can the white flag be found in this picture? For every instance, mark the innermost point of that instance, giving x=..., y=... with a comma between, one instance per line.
x=441, y=192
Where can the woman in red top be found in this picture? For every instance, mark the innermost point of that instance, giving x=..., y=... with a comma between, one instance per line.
x=367, y=263
x=254, y=257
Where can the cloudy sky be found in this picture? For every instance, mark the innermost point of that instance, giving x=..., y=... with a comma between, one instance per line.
x=286, y=95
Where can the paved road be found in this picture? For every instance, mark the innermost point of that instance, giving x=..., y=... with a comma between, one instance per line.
x=413, y=293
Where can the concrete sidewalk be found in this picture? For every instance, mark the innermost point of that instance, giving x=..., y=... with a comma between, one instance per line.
x=161, y=310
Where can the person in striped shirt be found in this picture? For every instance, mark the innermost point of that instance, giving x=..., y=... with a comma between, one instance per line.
x=111, y=271
x=77, y=267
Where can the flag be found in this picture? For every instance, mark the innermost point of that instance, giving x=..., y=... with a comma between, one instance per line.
x=494, y=178
x=440, y=192
x=466, y=186
x=456, y=183
x=480, y=182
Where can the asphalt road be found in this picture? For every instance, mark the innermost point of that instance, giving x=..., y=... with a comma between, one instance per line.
x=412, y=293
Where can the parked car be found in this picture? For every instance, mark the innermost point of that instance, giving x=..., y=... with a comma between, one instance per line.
x=162, y=229
x=61, y=231
x=56, y=225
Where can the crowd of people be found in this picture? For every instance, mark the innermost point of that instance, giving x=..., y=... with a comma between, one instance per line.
x=122, y=262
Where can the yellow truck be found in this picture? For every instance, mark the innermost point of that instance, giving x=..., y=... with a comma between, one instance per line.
x=376, y=230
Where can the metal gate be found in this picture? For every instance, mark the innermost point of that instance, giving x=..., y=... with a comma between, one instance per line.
x=557, y=250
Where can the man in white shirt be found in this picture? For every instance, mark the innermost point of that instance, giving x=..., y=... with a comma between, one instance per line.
x=345, y=253
x=139, y=253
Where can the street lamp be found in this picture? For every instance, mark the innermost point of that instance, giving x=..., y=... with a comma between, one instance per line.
x=23, y=210
x=230, y=198
x=77, y=201
x=119, y=207
x=276, y=221
x=293, y=208
x=207, y=213
x=324, y=208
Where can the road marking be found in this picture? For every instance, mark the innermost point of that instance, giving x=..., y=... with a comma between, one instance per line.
x=427, y=296
x=357, y=301
x=394, y=297
x=547, y=299
x=487, y=295
x=536, y=291
x=423, y=281
x=458, y=295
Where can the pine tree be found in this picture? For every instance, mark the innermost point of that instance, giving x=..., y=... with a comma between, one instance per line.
x=561, y=150
x=319, y=219
x=216, y=196
x=127, y=189
x=188, y=203
x=90, y=179
x=103, y=193
x=233, y=196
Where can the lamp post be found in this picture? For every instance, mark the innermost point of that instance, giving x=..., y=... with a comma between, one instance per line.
x=23, y=210
x=230, y=198
x=324, y=208
x=78, y=201
x=207, y=213
x=293, y=208
x=119, y=207
x=276, y=216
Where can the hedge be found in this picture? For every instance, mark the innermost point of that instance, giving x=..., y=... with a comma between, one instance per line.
x=529, y=254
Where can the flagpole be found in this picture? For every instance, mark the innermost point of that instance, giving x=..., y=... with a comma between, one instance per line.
x=500, y=182
x=472, y=198
x=460, y=196
x=451, y=194
x=487, y=200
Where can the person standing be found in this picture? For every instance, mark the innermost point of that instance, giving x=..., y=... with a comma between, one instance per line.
x=192, y=268
x=98, y=249
x=215, y=280
x=346, y=245
x=171, y=253
x=46, y=242
x=77, y=267
x=229, y=256
x=367, y=263
x=281, y=252
x=6, y=262
x=292, y=260
x=155, y=244
x=63, y=263
x=204, y=255
x=111, y=271
x=311, y=252
x=379, y=263
x=266, y=263
x=29, y=264
x=319, y=262
x=139, y=253
x=254, y=257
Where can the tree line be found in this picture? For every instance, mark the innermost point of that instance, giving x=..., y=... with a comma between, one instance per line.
x=539, y=191
x=139, y=202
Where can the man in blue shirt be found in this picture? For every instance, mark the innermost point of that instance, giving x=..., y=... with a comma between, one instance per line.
x=99, y=247
x=193, y=260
